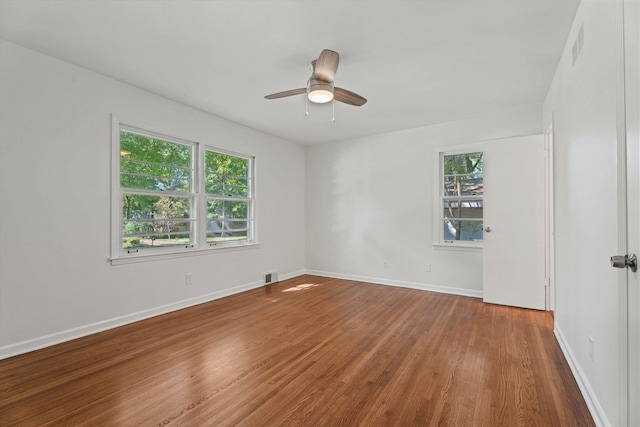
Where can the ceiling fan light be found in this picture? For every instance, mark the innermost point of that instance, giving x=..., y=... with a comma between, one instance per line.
x=320, y=96
x=320, y=92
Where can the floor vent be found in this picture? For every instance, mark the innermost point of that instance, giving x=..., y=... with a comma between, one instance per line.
x=270, y=277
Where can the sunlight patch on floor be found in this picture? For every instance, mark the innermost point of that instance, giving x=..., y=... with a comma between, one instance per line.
x=302, y=287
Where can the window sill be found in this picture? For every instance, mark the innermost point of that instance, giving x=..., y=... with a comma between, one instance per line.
x=458, y=247
x=135, y=258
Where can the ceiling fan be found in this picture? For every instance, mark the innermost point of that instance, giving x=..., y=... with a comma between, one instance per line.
x=320, y=88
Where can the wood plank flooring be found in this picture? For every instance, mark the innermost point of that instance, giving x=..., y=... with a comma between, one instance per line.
x=309, y=351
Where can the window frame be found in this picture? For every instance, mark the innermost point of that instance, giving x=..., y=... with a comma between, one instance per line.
x=250, y=199
x=197, y=195
x=439, y=198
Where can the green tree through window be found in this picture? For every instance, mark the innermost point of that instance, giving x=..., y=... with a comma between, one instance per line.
x=156, y=177
x=227, y=182
x=462, y=196
x=159, y=179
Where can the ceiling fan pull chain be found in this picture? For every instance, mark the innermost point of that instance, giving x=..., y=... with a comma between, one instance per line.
x=333, y=107
x=306, y=100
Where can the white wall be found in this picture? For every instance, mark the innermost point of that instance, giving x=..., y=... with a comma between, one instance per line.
x=582, y=101
x=370, y=200
x=55, y=136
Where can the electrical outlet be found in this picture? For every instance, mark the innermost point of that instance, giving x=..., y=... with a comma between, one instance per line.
x=591, y=348
x=189, y=279
x=385, y=264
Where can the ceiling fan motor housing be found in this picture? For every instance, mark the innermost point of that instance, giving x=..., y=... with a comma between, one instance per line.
x=319, y=91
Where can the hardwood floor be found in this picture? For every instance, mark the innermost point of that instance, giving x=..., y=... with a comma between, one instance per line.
x=309, y=351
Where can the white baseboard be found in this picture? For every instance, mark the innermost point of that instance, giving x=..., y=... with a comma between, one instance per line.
x=399, y=283
x=599, y=417
x=291, y=275
x=82, y=331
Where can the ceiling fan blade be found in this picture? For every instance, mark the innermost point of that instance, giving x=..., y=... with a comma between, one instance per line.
x=286, y=93
x=327, y=65
x=348, y=97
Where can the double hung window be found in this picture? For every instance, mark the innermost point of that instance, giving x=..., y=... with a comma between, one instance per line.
x=460, y=198
x=176, y=196
x=228, y=193
x=158, y=191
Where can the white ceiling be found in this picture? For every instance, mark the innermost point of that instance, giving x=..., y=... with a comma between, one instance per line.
x=417, y=62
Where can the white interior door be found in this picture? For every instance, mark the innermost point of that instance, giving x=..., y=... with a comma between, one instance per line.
x=630, y=281
x=513, y=248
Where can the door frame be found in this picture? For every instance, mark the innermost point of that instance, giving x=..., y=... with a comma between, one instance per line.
x=627, y=100
x=549, y=228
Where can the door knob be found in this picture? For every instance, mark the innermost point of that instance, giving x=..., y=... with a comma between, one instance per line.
x=487, y=229
x=624, y=261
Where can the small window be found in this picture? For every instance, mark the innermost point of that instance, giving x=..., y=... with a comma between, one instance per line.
x=176, y=196
x=460, y=198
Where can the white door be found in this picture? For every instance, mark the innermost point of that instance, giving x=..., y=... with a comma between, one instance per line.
x=630, y=238
x=514, y=229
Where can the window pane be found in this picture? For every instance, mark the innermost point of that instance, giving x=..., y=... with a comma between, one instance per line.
x=153, y=150
x=220, y=231
x=463, y=164
x=226, y=175
x=156, y=220
x=462, y=174
x=138, y=207
x=225, y=209
x=225, y=238
x=463, y=185
x=225, y=189
x=227, y=220
x=154, y=164
x=469, y=230
x=135, y=174
x=153, y=241
x=227, y=224
x=158, y=227
x=462, y=209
